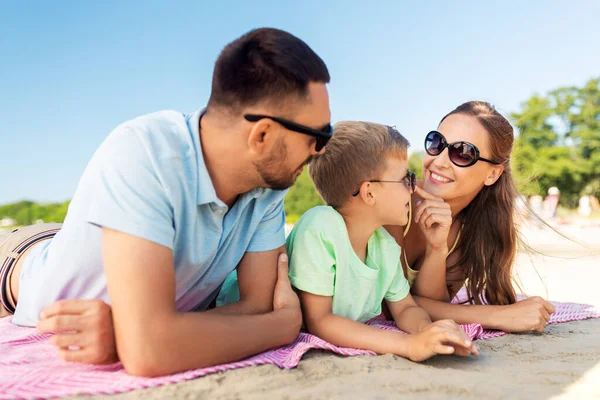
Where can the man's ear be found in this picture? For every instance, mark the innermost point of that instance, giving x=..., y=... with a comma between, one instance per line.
x=263, y=135
x=494, y=175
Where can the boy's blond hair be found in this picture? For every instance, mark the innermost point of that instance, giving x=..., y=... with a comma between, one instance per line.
x=356, y=153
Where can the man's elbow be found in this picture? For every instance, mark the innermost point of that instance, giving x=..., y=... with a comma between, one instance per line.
x=145, y=352
x=142, y=359
x=254, y=307
x=143, y=369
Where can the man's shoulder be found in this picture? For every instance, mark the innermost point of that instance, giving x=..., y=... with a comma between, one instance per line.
x=157, y=120
x=164, y=134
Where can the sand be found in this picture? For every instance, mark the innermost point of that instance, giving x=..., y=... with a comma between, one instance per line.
x=523, y=366
x=564, y=362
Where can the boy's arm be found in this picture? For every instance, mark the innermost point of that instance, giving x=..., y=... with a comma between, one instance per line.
x=413, y=319
x=408, y=316
x=153, y=338
x=442, y=337
x=344, y=332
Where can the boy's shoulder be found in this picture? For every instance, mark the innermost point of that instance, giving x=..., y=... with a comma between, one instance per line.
x=384, y=236
x=385, y=243
x=322, y=219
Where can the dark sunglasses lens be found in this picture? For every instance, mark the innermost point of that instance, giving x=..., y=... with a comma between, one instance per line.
x=321, y=142
x=410, y=181
x=462, y=154
x=434, y=143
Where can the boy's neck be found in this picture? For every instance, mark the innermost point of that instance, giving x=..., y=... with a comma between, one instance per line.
x=360, y=229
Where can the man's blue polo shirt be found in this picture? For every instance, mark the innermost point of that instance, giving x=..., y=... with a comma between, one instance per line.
x=149, y=179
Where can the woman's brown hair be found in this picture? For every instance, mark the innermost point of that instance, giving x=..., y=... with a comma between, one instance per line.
x=489, y=237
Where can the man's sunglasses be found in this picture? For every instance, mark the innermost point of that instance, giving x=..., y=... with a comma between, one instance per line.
x=462, y=154
x=322, y=135
x=410, y=180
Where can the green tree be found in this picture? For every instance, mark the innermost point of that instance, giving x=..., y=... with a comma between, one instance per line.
x=27, y=212
x=559, y=142
x=301, y=197
x=533, y=122
x=415, y=163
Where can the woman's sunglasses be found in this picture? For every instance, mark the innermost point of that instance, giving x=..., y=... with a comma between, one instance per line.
x=410, y=180
x=462, y=154
x=321, y=135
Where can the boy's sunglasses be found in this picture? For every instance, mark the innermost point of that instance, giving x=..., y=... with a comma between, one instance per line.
x=410, y=180
x=322, y=135
x=462, y=154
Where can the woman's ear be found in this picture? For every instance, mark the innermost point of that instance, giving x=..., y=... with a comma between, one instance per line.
x=494, y=175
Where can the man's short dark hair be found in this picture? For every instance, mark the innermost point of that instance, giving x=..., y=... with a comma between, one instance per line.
x=264, y=65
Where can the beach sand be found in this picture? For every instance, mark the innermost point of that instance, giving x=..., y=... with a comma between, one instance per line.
x=564, y=362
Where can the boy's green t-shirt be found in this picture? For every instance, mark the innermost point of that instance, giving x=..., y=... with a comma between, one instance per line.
x=323, y=262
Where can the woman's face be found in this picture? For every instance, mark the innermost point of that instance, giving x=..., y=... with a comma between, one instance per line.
x=444, y=179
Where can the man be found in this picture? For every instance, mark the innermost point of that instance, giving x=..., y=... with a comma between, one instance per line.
x=168, y=206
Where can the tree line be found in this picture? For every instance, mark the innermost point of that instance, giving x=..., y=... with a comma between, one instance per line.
x=558, y=144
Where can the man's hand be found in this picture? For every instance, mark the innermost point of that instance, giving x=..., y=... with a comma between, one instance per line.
x=284, y=296
x=285, y=300
x=83, y=330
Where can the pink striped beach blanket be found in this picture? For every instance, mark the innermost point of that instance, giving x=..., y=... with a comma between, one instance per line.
x=31, y=369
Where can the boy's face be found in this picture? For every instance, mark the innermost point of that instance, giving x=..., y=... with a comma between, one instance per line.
x=393, y=197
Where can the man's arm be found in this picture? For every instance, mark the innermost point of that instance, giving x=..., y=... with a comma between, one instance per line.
x=153, y=338
x=257, y=274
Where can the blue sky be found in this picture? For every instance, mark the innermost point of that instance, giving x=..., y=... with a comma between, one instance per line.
x=70, y=71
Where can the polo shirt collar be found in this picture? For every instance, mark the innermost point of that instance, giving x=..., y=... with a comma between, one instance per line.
x=206, y=191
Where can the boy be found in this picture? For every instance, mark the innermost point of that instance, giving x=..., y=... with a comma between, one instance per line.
x=344, y=263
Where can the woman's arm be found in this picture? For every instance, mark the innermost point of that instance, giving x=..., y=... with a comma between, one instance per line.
x=431, y=280
x=434, y=217
x=531, y=314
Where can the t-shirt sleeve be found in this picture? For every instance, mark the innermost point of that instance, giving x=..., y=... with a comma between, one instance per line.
x=270, y=232
x=127, y=192
x=399, y=288
x=312, y=263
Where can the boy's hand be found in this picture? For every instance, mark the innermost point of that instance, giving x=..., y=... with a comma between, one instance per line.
x=434, y=217
x=84, y=324
x=440, y=337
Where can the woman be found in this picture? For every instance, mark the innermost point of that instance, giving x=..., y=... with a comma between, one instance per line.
x=466, y=234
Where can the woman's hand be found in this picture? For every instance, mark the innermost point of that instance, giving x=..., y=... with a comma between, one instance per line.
x=434, y=217
x=532, y=314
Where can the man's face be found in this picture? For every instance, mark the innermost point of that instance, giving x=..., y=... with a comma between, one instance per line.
x=293, y=150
